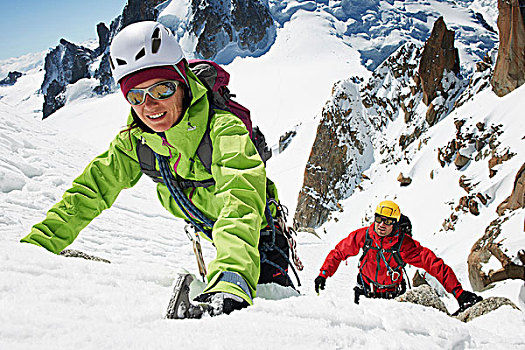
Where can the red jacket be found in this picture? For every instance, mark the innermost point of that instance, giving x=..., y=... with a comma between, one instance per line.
x=373, y=265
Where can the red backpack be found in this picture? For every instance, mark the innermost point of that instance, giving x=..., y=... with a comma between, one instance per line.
x=216, y=80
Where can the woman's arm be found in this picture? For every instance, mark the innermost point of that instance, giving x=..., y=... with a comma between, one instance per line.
x=93, y=191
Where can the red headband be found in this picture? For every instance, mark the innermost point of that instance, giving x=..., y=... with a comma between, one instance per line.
x=163, y=72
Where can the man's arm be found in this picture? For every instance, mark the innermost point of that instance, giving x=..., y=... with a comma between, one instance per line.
x=349, y=246
x=413, y=253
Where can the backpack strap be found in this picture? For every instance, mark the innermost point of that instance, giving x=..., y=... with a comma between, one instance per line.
x=205, y=149
x=147, y=162
x=366, y=245
x=396, y=252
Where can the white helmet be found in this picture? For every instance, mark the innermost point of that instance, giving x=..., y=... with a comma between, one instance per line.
x=143, y=45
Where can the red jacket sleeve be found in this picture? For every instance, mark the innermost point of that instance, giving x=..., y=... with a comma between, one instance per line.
x=413, y=253
x=349, y=246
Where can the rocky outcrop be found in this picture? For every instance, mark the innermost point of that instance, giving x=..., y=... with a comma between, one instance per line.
x=483, y=22
x=393, y=89
x=104, y=35
x=426, y=296
x=509, y=72
x=396, y=86
x=473, y=143
x=341, y=151
x=483, y=250
x=248, y=23
x=517, y=198
x=418, y=280
x=498, y=159
x=286, y=139
x=471, y=203
x=66, y=64
x=103, y=71
x=439, y=56
x=466, y=184
x=484, y=307
x=479, y=81
x=423, y=295
x=461, y=160
x=512, y=267
x=398, y=76
x=404, y=180
x=72, y=253
x=11, y=78
x=139, y=10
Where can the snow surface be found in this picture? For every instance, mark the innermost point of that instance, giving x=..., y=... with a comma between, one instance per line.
x=50, y=302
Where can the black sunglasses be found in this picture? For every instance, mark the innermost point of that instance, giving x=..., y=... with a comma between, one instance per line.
x=159, y=91
x=387, y=221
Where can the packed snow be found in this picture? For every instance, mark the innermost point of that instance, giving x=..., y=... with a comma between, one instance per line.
x=49, y=301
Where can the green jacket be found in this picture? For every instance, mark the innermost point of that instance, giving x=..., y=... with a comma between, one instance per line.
x=236, y=202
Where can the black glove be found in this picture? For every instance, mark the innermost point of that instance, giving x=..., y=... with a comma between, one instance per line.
x=320, y=282
x=221, y=303
x=467, y=299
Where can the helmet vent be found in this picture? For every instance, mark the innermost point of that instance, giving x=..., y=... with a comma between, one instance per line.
x=141, y=54
x=111, y=63
x=121, y=62
x=155, y=41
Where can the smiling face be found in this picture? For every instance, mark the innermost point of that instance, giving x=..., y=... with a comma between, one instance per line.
x=160, y=115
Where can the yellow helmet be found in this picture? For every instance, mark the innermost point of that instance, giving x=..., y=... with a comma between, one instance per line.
x=388, y=209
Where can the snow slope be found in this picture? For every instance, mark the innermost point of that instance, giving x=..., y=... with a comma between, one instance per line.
x=50, y=302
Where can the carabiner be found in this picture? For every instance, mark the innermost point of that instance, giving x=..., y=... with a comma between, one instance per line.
x=188, y=233
x=395, y=275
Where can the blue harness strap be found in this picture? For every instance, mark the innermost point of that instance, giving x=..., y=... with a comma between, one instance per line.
x=184, y=203
x=194, y=215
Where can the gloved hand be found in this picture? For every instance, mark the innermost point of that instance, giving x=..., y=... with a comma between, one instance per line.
x=221, y=303
x=467, y=299
x=320, y=282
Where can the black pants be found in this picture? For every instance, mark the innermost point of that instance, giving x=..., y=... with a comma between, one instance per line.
x=274, y=257
x=364, y=289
